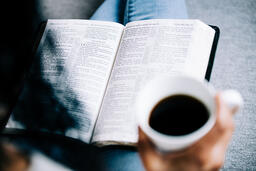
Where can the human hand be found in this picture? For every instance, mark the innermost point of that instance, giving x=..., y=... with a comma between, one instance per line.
x=206, y=154
x=11, y=158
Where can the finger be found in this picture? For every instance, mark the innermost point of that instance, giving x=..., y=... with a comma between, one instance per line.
x=144, y=142
x=224, y=116
x=148, y=153
x=215, y=159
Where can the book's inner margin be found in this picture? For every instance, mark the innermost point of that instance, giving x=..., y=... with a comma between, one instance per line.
x=148, y=49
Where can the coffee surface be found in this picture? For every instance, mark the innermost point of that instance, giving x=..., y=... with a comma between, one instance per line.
x=178, y=115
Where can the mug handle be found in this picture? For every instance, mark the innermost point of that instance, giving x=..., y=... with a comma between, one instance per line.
x=232, y=99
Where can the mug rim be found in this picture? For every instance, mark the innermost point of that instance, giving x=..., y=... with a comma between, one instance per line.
x=187, y=138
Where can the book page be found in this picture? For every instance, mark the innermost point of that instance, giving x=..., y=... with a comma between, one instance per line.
x=75, y=58
x=149, y=49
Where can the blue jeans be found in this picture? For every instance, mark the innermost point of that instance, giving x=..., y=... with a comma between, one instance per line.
x=124, y=11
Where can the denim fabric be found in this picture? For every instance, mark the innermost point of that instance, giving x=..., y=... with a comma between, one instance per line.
x=124, y=11
x=110, y=10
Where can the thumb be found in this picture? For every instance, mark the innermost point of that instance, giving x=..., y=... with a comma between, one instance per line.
x=145, y=144
x=152, y=160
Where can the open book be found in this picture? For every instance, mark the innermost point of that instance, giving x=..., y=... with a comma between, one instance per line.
x=103, y=65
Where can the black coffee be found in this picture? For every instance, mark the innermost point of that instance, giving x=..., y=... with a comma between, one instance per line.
x=178, y=115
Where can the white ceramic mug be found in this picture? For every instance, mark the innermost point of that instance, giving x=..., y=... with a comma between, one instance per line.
x=165, y=86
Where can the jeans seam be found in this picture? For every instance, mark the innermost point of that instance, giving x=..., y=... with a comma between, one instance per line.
x=128, y=11
x=131, y=7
